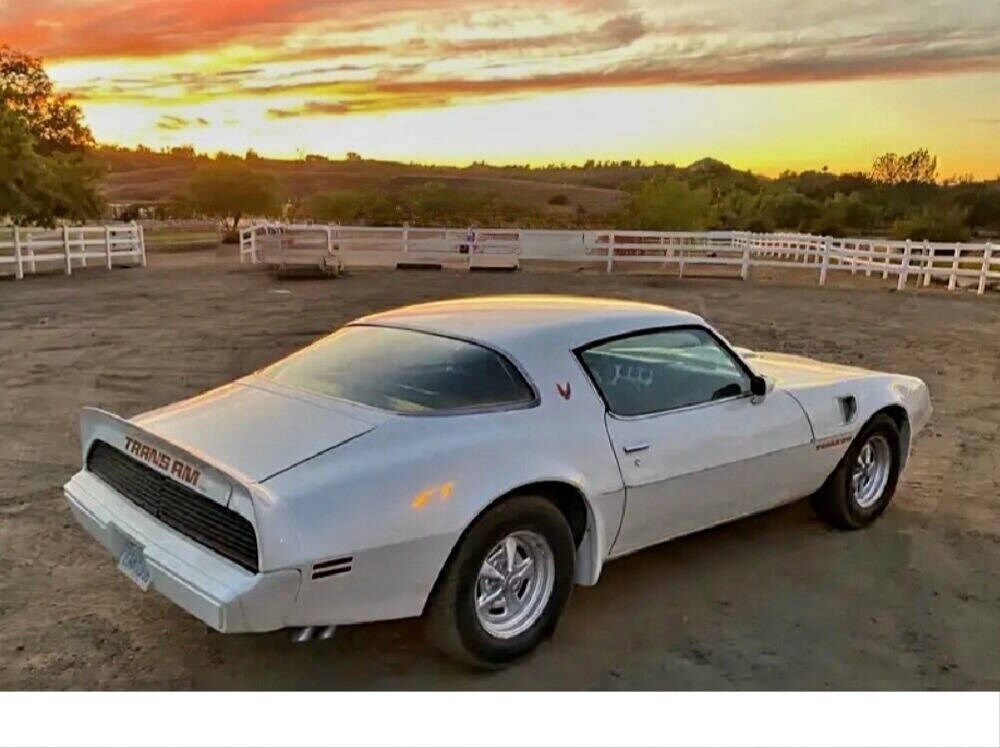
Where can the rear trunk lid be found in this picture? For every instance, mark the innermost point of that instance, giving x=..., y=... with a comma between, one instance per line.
x=259, y=428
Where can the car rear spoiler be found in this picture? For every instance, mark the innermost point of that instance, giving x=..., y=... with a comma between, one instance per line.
x=187, y=466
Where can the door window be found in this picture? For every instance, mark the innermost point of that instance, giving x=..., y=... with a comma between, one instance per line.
x=657, y=371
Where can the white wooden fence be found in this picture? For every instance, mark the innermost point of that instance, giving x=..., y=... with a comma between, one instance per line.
x=33, y=250
x=276, y=244
x=914, y=263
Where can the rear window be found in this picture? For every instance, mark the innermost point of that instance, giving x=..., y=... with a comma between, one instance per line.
x=404, y=371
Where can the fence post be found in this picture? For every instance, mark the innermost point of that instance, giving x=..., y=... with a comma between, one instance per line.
x=406, y=237
x=611, y=251
x=141, y=236
x=329, y=240
x=253, y=245
x=31, y=254
x=107, y=245
x=928, y=262
x=825, y=261
x=953, y=278
x=81, y=237
x=987, y=257
x=18, y=262
x=904, y=269
x=745, y=265
x=69, y=260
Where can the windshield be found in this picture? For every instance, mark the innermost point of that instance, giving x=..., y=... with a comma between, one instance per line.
x=404, y=371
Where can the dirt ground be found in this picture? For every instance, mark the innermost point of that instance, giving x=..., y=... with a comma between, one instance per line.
x=777, y=601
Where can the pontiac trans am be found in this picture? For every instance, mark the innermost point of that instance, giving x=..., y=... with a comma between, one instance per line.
x=472, y=460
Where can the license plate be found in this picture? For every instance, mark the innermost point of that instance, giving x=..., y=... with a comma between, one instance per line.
x=132, y=564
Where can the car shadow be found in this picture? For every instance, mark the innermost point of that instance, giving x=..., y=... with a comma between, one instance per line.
x=649, y=607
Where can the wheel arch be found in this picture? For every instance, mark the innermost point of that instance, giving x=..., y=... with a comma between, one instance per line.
x=901, y=418
x=572, y=503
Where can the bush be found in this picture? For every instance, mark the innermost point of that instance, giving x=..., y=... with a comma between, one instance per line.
x=792, y=210
x=662, y=204
x=933, y=224
x=558, y=200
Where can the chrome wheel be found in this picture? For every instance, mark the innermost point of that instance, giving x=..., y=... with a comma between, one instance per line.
x=870, y=474
x=514, y=584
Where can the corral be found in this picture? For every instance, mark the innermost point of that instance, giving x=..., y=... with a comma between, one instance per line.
x=776, y=601
x=908, y=262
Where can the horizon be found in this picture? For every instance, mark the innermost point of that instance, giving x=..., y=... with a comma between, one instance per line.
x=786, y=86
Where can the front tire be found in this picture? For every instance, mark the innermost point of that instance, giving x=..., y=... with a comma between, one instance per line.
x=507, y=584
x=863, y=484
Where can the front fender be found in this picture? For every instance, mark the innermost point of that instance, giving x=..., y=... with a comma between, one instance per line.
x=872, y=393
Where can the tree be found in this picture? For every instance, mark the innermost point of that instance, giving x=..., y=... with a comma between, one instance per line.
x=936, y=224
x=44, y=174
x=228, y=190
x=343, y=206
x=792, y=210
x=39, y=188
x=918, y=166
x=51, y=119
x=668, y=204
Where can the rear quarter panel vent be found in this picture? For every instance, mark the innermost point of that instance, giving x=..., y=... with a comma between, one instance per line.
x=332, y=567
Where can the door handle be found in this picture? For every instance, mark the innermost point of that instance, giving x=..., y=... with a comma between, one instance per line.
x=632, y=448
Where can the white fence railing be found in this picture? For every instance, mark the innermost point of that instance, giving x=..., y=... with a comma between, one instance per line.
x=33, y=250
x=910, y=262
x=280, y=244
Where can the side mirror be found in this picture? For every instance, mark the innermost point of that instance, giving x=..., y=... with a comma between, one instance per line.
x=758, y=386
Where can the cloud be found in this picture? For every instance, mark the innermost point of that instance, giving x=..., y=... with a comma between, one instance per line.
x=324, y=52
x=865, y=56
x=148, y=28
x=312, y=108
x=352, y=56
x=619, y=31
x=172, y=122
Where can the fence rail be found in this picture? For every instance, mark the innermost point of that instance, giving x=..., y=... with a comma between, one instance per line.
x=914, y=263
x=34, y=250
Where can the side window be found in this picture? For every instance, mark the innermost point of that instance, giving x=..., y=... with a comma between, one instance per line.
x=657, y=371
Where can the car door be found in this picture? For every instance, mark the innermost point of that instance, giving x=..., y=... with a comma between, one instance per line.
x=695, y=448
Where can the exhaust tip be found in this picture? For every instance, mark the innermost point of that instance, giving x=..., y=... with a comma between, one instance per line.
x=326, y=632
x=302, y=635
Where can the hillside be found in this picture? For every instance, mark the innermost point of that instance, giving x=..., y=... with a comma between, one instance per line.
x=900, y=197
x=140, y=177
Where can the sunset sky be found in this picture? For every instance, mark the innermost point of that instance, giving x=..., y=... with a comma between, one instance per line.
x=762, y=85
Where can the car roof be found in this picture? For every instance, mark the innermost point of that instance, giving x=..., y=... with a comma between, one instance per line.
x=518, y=322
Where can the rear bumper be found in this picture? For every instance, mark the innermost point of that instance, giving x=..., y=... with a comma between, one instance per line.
x=224, y=595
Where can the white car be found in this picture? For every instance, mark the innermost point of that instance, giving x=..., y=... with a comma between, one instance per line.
x=471, y=460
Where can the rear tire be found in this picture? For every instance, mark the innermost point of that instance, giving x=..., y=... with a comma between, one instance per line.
x=863, y=484
x=506, y=585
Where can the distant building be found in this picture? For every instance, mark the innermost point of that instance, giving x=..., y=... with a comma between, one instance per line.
x=134, y=211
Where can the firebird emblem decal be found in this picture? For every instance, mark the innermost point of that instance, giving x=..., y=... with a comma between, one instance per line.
x=163, y=461
x=564, y=391
x=834, y=441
